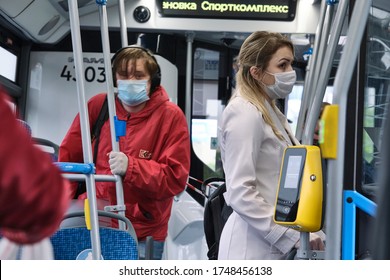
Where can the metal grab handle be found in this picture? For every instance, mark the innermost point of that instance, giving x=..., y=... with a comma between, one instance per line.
x=111, y=101
x=336, y=167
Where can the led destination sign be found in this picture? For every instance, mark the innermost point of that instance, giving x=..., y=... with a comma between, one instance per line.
x=281, y=10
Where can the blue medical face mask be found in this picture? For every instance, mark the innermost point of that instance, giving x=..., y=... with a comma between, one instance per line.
x=284, y=83
x=132, y=92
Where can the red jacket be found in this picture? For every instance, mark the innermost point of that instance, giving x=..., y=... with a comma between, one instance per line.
x=33, y=195
x=158, y=148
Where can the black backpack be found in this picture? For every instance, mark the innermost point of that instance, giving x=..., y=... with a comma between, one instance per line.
x=216, y=213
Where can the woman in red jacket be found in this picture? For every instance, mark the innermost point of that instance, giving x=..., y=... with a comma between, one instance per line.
x=34, y=194
x=154, y=157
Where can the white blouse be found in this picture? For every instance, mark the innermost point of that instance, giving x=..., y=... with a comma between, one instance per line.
x=252, y=156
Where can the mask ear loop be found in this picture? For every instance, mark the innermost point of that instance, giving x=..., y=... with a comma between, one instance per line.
x=262, y=77
x=260, y=80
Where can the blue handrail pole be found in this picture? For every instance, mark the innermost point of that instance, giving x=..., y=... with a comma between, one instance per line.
x=84, y=124
x=83, y=168
x=348, y=228
x=120, y=207
x=353, y=200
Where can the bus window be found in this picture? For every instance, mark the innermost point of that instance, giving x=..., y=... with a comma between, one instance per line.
x=294, y=103
x=8, y=64
x=206, y=110
x=376, y=95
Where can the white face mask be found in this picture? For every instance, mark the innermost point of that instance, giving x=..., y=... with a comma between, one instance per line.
x=284, y=83
x=132, y=92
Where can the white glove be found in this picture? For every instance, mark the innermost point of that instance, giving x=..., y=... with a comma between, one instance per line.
x=118, y=163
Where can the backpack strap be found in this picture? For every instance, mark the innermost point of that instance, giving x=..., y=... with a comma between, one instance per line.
x=95, y=135
x=97, y=127
x=216, y=210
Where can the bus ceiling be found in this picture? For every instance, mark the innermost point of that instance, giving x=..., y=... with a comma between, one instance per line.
x=48, y=21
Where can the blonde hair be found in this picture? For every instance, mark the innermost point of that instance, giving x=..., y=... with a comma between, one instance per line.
x=257, y=50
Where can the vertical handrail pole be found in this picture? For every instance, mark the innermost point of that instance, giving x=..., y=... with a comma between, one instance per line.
x=122, y=23
x=111, y=102
x=322, y=49
x=314, y=109
x=307, y=89
x=190, y=39
x=336, y=166
x=84, y=124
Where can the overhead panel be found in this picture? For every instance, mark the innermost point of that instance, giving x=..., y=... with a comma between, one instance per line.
x=45, y=21
x=14, y=8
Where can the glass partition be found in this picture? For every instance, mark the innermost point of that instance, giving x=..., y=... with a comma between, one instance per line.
x=377, y=92
x=206, y=110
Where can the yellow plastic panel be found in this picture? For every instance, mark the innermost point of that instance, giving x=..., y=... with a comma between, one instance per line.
x=87, y=214
x=328, y=133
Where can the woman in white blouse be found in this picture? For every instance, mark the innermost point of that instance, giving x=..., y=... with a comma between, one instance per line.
x=253, y=135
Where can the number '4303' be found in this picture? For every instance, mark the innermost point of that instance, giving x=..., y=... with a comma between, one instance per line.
x=90, y=74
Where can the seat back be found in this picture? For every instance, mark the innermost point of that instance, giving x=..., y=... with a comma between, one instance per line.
x=49, y=147
x=116, y=244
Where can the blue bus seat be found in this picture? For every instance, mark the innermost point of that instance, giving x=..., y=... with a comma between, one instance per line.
x=116, y=244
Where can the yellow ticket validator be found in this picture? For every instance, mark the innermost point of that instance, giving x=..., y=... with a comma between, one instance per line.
x=299, y=201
